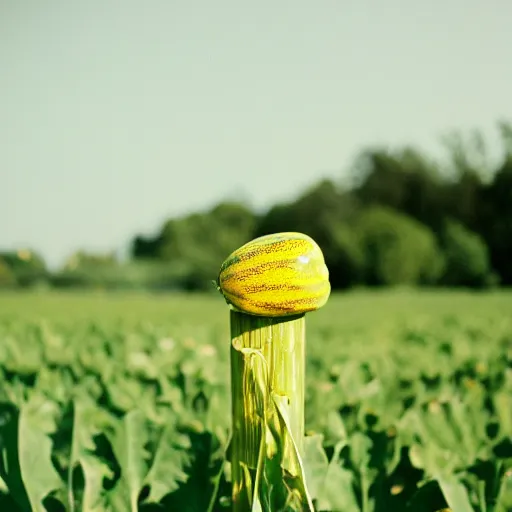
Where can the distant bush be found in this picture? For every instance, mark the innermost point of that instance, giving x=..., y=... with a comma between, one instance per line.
x=25, y=267
x=7, y=277
x=344, y=256
x=198, y=243
x=397, y=249
x=466, y=255
x=148, y=275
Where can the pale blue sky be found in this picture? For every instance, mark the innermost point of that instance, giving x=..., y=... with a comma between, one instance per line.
x=117, y=114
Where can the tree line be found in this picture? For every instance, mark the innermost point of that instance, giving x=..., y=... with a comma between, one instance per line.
x=401, y=219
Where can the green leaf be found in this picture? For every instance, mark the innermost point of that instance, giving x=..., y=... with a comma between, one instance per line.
x=85, y=427
x=334, y=427
x=10, y=469
x=315, y=463
x=455, y=494
x=503, y=405
x=172, y=457
x=94, y=470
x=337, y=489
x=428, y=498
x=444, y=437
x=34, y=449
x=504, y=499
x=198, y=493
x=360, y=446
x=128, y=441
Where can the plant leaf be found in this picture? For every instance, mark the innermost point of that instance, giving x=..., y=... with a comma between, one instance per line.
x=35, y=448
x=128, y=441
x=455, y=494
x=171, y=458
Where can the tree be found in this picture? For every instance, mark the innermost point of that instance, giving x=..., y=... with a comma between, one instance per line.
x=145, y=248
x=88, y=260
x=7, y=277
x=198, y=243
x=321, y=203
x=497, y=221
x=466, y=257
x=344, y=256
x=26, y=265
x=398, y=250
x=323, y=212
x=404, y=180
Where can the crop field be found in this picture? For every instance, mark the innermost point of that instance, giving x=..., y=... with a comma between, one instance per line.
x=122, y=402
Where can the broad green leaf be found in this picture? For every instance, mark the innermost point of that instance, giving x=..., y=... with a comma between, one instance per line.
x=56, y=384
x=128, y=443
x=360, y=446
x=10, y=468
x=84, y=430
x=428, y=498
x=444, y=437
x=334, y=427
x=455, y=494
x=504, y=498
x=337, y=489
x=171, y=459
x=85, y=427
x=503, y=405
x=94, y=470
x=34, y=447
x=197, y=494
x=315, y=463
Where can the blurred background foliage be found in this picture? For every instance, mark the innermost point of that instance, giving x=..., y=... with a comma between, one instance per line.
x=401, y=219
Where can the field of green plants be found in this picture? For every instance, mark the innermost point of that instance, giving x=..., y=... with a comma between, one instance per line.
x=122, y=403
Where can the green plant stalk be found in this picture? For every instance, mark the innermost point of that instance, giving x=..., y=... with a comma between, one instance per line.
x=267, y=360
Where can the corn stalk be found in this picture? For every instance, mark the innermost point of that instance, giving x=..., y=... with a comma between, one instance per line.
x=267, y=389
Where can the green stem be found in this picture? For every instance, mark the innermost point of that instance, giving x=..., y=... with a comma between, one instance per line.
x=365, y=487
x=267, y=357
x=216, y=480
x=481, y=496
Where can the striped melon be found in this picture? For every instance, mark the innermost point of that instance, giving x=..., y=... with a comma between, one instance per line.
x=276, y=275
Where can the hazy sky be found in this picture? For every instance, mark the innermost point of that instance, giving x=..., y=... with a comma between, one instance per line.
x=117, y=114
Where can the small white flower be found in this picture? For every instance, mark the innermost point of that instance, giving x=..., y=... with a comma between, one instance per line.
x=208, y=350
x=166, y=344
